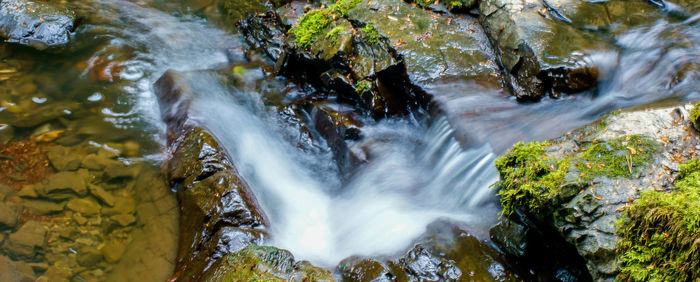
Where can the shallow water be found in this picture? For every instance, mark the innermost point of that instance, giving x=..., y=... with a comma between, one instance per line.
x=419, y=171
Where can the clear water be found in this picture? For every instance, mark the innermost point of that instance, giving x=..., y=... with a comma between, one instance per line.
x=418, y=173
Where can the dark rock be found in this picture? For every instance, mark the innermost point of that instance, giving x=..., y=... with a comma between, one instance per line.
x=421, y=264
x=36, y=23
x=219, y=213
x=364, y=269
x=511, y=237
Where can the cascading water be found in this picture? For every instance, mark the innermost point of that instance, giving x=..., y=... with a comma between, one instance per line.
x=414, y=178
x=416, y=175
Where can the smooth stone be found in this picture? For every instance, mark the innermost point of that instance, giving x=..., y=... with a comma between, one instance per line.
x=11, y=271
x=63, y=158
x=84, y=206
x=101, y=194
x=113, y=250
x=61, y=182
x=9, y=214
x=122, y=205
x=89, y=256
x=80, y=219
x=28, y=191
x=30, y=236
x=124, y=219
x=96, y=162
x=118, y=170
x=41, y=207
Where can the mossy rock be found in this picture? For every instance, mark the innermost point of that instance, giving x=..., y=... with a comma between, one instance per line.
x=660, y=232
x=263, y=263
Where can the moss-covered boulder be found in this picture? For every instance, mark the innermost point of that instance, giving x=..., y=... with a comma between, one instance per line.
x=263, y=263
x=38, y=24
x=580, y=184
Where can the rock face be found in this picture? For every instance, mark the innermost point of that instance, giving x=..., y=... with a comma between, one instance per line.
x=36, y=23
x=543, y=45
x=219, y=214
x=590, y=176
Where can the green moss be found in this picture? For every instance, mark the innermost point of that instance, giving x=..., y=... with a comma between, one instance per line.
x=310, y=26
x=341, y=7
x=695, y=113
x=528, y=178
x=532, y=182
x=424, y=3
x=617, y=157
x=370, y=34
x=455, y=5
x=660, y=232
x=332, y=35
x=362, y=87
x=315, y=21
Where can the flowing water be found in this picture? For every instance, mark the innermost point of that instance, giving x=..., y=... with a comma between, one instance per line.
x=418, y=171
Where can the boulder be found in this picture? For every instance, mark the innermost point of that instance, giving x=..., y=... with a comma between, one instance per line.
x=595, y=173
x=38, y=24
x=543, y=45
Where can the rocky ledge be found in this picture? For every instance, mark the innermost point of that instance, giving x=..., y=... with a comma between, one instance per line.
x=38, y=24
x=622, y=191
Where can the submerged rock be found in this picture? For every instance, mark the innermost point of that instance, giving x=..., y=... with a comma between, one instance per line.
x=588, y=177
x=38, y=24
x=27, y=240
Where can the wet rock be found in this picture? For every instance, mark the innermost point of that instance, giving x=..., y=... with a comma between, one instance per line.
x=586, y=219
x=9, y=215
x=119, y=170
x=113, y=250
x=543, y=45
x=12, y=271
x=124, y=219
x=84, y=206
x=511, y=237
x=364, y=269
x=421, y=264
x=37, y=24
x=264, y=263
x=28, y=191
x=89, y=256
x=101, y=194
x=122, y=205
x=61, y=185
x=28, y=238
x=43, y=114
x=335, y=127
x=63, y=158
x=41, y=207
x=210, y=192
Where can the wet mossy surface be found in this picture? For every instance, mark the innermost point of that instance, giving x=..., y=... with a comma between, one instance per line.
x=660, y=232
x=315, y=22
x=695, y=115
x=264, y=263
x=533, y=181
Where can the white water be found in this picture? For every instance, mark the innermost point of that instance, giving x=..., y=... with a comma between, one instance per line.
x=415, y=178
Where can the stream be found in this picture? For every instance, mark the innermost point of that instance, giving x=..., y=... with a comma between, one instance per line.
x=419, y=168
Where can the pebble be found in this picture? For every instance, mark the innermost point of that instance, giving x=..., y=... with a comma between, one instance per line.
x=84, y=206
x=101, y=194
x=113, y=250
